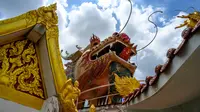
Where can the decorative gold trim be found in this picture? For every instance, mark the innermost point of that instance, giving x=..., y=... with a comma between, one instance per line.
x=20, y=97
x=15, y=24
x=47, y=17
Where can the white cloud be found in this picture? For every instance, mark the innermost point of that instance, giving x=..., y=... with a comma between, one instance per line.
x=138, y=26
x=62, y=13
x=108, y=3
x=139, y=75
x=142, y=31
x=84, y=21
x=167, y=38
x=162, y=20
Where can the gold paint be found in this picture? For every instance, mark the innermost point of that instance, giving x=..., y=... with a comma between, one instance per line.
x=18, y=65
x=47, y=17
x=18, y=23
x=126, y=85
x=191, y=21
x=20, y=97
x=68, y=94
x=92, y=108
x=4, y=80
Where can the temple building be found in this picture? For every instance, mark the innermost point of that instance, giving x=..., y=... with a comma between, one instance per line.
x=33, y=79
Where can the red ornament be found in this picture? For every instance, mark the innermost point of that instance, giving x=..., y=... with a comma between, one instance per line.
x=126, y=53
x=125, y=37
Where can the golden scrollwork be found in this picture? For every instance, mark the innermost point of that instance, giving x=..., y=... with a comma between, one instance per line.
x=126, y=85
x=68, y=94
x=19, y=68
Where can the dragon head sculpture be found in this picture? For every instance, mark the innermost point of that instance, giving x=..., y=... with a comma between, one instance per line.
x=95, y=65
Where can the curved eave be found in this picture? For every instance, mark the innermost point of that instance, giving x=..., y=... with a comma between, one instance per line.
x=178, y=84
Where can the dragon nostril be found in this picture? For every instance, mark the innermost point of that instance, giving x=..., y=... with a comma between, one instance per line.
x=115, y=34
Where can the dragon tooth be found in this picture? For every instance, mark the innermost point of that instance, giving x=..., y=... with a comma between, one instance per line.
x=135, y=47
x=111, y=45
x=131, y=44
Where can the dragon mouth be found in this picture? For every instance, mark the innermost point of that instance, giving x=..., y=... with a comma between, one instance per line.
x=118, y=47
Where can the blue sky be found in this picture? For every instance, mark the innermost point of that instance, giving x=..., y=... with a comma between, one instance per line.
x=170, y=5
x=79, y=2
x=1, y=15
